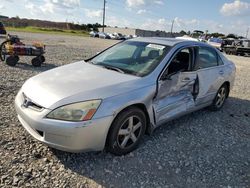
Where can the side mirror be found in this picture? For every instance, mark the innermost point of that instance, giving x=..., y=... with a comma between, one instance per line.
x=169, y=76
x=166, y=77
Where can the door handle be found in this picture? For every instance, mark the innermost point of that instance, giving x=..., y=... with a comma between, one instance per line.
x=221, y=72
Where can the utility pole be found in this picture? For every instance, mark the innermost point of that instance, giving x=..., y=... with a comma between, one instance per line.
x=247, y=32
x=172, y=26
x=103, y=18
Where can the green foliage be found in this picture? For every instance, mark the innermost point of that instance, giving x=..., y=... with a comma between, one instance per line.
x=216, y=35
x=44, y=25
x=182, y=32
x=48, y=30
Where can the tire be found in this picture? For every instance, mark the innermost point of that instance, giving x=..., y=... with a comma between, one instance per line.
x=12, y=60
x=2, y=50
x=220, y=98
x=17, y=58
x=36, y=62
x=126, y=131
x=41, y=58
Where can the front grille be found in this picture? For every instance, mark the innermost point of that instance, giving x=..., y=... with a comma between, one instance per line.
x=28, y=103
x=36, y=106
x=40, y=132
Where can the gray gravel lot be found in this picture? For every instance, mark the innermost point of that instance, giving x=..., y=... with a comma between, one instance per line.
x=203, y=149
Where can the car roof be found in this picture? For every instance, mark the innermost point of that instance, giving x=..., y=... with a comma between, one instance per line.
x=165, y=41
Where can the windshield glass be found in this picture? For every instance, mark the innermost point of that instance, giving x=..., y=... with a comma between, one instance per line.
x=131, y=57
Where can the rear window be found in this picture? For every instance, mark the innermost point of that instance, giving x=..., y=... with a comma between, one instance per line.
x=207, y=57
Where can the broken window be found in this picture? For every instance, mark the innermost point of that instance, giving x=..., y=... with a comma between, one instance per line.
x=181, y=62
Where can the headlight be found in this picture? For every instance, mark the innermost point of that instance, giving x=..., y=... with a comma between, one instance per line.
x=82, y=111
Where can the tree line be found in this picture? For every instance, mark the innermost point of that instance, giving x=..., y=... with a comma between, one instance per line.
x=23, y=22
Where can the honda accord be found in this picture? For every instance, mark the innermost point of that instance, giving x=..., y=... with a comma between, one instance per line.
x=112, y=99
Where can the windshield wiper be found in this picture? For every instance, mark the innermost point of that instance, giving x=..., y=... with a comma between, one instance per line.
x=90, y=62
x=113, y=68
x=106, y=66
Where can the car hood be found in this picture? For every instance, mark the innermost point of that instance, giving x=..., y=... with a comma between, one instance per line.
x=76, y=82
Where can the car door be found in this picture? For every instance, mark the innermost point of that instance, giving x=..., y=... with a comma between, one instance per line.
x=210, y=74
x=177, y=87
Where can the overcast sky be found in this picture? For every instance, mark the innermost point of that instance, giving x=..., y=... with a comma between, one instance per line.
x=231, y=16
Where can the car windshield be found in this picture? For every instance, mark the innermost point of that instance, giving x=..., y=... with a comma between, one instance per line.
x=132, y=57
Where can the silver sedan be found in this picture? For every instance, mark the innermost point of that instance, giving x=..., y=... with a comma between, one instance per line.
x=111, y=100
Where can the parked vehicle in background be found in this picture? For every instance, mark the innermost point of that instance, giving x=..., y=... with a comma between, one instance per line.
x=236, y=46
x=112, y=99
x=103, y=35
x=196, y=35
x=112, y=36
x=128, y=37
x=2, y=29
x=94, y=34
x=215, y=42
x=12, y=48
x=119, y=36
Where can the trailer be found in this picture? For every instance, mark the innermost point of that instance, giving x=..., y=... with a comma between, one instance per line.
x=237, y=47
x=12, y=48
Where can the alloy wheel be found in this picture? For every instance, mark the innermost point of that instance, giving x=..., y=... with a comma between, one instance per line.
x=129, y=132
x=221, y=96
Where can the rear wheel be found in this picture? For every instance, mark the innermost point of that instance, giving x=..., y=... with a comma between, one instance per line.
x=126, y=131
x=220, y=98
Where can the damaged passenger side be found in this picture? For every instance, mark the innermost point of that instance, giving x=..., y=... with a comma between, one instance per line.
x=177, y=86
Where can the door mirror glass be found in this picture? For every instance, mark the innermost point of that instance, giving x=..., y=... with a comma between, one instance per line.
x=166, y=77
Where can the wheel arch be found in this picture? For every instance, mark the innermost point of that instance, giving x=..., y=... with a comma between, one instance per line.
x=140, y=106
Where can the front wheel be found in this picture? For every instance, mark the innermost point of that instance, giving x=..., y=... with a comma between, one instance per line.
x=12, y=60
x=126, y=131
x=3, y=50
x=220, y=98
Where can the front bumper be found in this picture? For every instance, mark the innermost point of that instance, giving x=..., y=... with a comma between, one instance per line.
x=67, y=136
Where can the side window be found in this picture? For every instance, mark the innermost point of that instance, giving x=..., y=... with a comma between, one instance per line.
x=206, y=58
x=181, y=62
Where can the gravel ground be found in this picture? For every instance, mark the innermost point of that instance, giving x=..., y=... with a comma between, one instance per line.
x=203, y=149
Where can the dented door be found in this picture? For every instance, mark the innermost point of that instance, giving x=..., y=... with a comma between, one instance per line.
x=175, y=96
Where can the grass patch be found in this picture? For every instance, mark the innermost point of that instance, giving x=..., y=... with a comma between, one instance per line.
x=48, y=31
